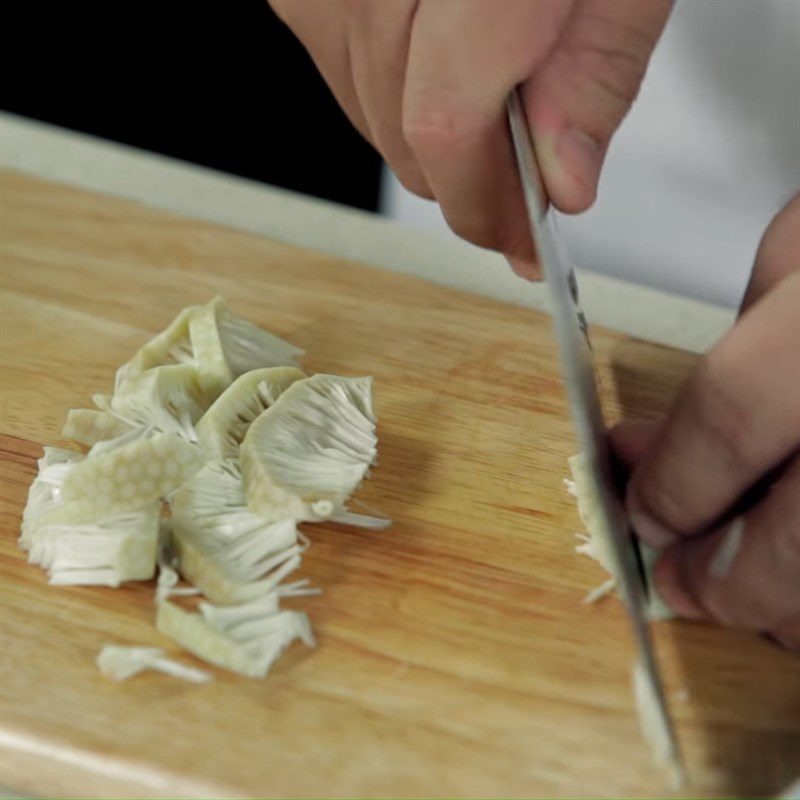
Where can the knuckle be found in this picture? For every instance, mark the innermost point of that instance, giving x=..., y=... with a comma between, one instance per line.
x=616, y=73
x=432, y=129
x=608, y=59
x=664, y=498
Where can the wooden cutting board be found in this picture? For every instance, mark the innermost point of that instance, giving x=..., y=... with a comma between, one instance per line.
x=455, y=657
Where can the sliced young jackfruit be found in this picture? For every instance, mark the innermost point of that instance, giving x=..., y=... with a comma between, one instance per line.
x=89, y=426
x=251, y=653
x=222, y=547
x=222, y=428
x=122, y=480
x=226, y=346
x=304, y=456
x=120, y=663
x=166, y=398
x=101, y=518
x=171, y=346
x=44, y=496
x=108, y=552
x=597, y=544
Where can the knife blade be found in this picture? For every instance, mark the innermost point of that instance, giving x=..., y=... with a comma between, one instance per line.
x=575, y=357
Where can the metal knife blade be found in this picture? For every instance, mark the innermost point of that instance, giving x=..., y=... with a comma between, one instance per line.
x=587, y=417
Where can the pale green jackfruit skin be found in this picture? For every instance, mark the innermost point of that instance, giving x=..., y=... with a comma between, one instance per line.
x=204, y=571
x=125, y=479
x=89, y=426
x=171, y=346
x=214, y=374
x=226, y=346
x=138, y=554
x=194, y=634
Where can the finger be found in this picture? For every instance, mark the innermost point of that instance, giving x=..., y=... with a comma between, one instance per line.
x=778, y=254
x=747, y=573
x=631, y=440
x=463, y=60
x=736, y=418
x=322, y=29
x=379, y=35
x=525, y=268
x=584, y=90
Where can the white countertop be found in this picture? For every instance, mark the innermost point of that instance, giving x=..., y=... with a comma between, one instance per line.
x=193, y=191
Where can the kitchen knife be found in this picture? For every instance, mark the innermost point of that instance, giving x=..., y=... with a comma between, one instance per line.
x=587, y=417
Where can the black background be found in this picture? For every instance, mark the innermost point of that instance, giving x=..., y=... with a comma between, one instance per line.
x=221, y=84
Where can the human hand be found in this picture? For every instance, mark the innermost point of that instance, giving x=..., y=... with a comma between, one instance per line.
x=426, y=80
x=734, y=426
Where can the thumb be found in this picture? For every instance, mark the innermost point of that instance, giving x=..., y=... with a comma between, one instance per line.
x=778, y=254
x=581, y=94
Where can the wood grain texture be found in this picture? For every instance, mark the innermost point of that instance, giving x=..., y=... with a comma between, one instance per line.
x=455, y=657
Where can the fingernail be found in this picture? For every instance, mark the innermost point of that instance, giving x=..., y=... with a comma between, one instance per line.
x=580, y=156
x=646, y=527
x=525, y=268
x=666, y=577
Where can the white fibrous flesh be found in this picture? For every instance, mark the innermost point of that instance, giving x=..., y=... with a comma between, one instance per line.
x=171, y=346
x=595, y=543
x=224, y=425
x=229, y=552
x=107, y=552
x=306, y=454
x=167, y=399
x=210, y=451
x=120, y=663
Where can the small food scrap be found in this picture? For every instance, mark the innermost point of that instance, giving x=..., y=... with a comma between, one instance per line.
x=248, y=641
x=120, y=663
x=162, y=485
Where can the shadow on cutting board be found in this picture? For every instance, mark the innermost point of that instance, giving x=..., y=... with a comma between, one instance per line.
x=739, y=724
x=735, y=697
x=336, y=545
